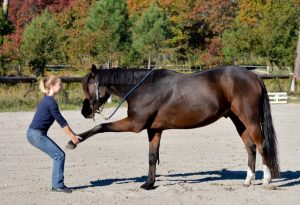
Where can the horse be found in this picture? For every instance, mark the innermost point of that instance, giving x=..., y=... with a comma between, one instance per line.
x=162, y=99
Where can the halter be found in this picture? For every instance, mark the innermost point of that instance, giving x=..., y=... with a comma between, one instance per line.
x=97, y=90
x=122, y=100
x=100, y=109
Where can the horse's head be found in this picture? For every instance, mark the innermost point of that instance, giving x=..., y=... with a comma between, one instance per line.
x=96, y=94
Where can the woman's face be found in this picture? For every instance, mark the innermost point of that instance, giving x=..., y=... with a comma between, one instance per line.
x=57, y=87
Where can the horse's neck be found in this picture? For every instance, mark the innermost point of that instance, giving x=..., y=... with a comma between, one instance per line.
x=120, y=90
x=119, y=81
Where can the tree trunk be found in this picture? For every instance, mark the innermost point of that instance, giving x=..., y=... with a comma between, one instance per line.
x=297, y=60
x=5, y=7
x=149, y=61
x=297, y=67
x=110, y=60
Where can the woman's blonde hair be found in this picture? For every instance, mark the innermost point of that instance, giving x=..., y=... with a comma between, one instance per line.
x=46, y=82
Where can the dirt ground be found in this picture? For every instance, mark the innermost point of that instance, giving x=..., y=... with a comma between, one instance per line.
x=198, y=166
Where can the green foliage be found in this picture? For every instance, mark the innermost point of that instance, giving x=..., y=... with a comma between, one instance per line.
x=41, y=42
x=187, y=32
x=269, y=32
x=238, y=44
x=278, y=32
x=77, y=42
x=108, y=23
x=149, y=32
x=5, y=27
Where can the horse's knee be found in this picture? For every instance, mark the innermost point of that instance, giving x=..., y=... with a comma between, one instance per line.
x=136, y=128
x=261, y=149
x=252, y=149
x=152, y=158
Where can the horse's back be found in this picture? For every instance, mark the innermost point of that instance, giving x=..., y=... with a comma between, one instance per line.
x=201, y=98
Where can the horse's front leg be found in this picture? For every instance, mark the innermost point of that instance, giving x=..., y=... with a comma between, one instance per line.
x=84, y=136
x=124, y=125
x=154, y=141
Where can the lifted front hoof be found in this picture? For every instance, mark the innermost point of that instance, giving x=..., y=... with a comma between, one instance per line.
x=71, y=145
x=148, y=186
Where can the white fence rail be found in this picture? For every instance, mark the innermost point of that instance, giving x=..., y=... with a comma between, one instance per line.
x=278, y=97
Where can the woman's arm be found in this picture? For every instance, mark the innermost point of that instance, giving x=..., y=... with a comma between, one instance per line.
x=62, y=122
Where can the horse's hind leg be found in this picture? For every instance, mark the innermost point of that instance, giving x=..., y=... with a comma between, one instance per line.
x=154, y=137
x=257, y=137
x=253, y=128
x=249, y=145
x=251, y=149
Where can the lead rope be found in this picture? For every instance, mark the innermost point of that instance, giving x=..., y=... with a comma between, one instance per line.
x=97, y=97
x=124, y=98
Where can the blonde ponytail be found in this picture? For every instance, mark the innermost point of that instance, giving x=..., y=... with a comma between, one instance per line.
x=46, y=82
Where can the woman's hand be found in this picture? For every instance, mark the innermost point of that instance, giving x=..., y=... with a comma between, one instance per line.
x=76, y=139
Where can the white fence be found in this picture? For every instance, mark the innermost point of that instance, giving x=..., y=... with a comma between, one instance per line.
x=278, y=97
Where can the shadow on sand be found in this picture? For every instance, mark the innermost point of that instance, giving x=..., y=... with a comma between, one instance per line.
x=287, y=179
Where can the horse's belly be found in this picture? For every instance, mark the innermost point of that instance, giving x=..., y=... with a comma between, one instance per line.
x=185, y=120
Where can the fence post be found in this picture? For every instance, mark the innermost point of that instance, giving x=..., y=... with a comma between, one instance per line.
x=293, y=85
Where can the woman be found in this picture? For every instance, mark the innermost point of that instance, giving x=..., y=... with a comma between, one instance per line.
x=44, y=117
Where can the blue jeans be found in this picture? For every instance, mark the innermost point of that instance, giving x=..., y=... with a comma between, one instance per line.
x=41, y=141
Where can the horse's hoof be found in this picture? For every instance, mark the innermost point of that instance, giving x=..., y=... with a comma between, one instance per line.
x=71, y=145
x=148, y=186
x=266, y=181
x=246, y=185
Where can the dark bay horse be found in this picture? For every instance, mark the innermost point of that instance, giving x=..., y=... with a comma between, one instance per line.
x=165, y=99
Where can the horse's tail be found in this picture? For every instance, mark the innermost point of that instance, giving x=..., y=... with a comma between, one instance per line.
x=270, y=139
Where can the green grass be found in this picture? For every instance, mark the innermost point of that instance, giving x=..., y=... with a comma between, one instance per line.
x=278, y=85
x=14, y=98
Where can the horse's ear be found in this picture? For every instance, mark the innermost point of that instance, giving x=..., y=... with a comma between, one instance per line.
x=94, y=69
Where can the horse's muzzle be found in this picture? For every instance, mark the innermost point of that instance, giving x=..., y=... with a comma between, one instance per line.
x=86, y=110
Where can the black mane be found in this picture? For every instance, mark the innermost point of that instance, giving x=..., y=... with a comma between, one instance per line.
x=119, y=76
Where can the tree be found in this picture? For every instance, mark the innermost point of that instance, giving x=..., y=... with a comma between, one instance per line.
x=77, y=42
x=138, y=6
x=297, y=59
x=108, y=25
x=238, y=44
x=149, y=31
x=20, y=13
x=277, y=32
x=184, y=35
x=268, y=29
x=297, y=66
x=5, y=27
x=40, y=43
x=214, y=16
x=217, y=14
